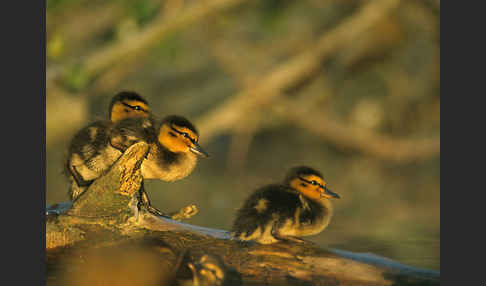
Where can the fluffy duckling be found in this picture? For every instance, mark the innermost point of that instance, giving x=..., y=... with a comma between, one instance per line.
x=299, y=207
x=208, y=270
x=90, y=153
x=127, y=104
x=173, y=151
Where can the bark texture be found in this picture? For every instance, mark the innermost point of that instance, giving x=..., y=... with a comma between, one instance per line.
x=107, y=216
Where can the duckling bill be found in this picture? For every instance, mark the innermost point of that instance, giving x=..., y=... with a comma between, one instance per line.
x=299, y=207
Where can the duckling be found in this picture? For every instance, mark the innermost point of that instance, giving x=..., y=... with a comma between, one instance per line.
x=284, y=212
x=172, y=156
x=127, y=104
x=86, y=161
x=208, y=270
x=174, y=153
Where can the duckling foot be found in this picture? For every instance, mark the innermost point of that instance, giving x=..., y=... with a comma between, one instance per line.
x=292, y=239
x=76, y=190
x=156, y=211
x=185, y=212
x=275, y=234
x=145, y=201
x=246, y=243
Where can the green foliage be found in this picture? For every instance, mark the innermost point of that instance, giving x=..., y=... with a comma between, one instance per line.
x=142, y=10
x=168, y=49
x=76, y=79
x=273, y=12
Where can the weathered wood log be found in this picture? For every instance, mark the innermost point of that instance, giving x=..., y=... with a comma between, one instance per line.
x=107, y=215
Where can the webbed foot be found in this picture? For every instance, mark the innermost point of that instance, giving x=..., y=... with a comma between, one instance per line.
x=185, y=212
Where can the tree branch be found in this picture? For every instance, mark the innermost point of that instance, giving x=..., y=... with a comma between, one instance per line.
x=107, y=215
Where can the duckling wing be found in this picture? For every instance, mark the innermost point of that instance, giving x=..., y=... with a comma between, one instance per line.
x=265, y=205
x=306, y=217
x=90, y=139
x=132, y=130
x=83, y=150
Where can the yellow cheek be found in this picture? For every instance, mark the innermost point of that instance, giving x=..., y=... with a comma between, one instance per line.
x=137, y=113
x=174, y=144
x=311, y=193
x=120, y=112
x=315, y=178
x=137, y=103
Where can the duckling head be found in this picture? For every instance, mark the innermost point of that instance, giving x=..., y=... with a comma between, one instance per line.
x=178, y=135
x=309, y=182
x=208, y=270
x=128, y=104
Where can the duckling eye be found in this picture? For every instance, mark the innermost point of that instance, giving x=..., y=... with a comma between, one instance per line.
x=135, y=107
x=314, y=182
x=211, y=270
x=189, y=137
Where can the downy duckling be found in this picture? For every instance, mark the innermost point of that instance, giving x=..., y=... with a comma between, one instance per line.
x=299, y=207
x=173, y=150
x=127, y=104
x=174, y=153
x=90, y=153
x=208, y=270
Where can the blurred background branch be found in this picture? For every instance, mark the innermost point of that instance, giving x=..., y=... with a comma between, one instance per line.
x=291, y=72
x=168, y=22
x=355, y=137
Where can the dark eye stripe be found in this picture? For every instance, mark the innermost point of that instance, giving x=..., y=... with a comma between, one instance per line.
x=135, y=107
x=184, y=134
x=311, y=182
x=175, y=130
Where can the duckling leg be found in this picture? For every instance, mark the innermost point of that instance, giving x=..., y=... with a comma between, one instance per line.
x=78, y=178
x=184, y=213
x=75, y=190
x=242, y=243
x=276, y=234
x=145, y=201
x=78, y=184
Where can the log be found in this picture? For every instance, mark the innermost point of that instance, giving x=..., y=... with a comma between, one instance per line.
x=106, y=216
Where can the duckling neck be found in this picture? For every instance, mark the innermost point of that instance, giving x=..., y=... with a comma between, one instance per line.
x=321, y=205
x=168, y=166
x=325, y=203
x=322, y=210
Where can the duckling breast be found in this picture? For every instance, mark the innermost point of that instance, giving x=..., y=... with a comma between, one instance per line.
x=167, y=167
x=314, y=219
